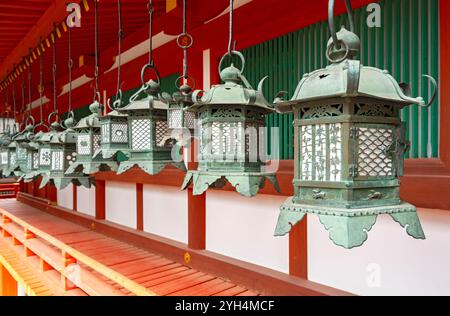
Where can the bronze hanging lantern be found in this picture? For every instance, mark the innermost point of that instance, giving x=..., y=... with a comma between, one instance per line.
x=231, y=123
x=147, y=125
x=349, y=145
x=89, y=160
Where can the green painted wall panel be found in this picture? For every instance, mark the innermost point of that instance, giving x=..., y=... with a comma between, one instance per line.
x=406, y=44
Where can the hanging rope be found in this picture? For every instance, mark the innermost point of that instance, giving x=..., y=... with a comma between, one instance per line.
x=96, y=91
x=29, y=86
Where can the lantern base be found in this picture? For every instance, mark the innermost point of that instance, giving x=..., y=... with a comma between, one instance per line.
x=150, y=167
x=90, y=167
x=246, y=183
x=349, y=228
x=30, y=177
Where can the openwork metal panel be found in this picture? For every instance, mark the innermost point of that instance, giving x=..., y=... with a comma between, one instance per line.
x=161, y=130
x=119, y=132
x=57, y=160
x=13, y=159
x=21, y=153
x=96, y=142
x=45, y=157
x=140, y=131
x=321, y=152
x=373, y=160
x=105, y=133
x=30, y=161
x=84, y=144
x=4, y=158
x=227, y=139
x=35, y=160
x=175, y=118
x=406, y=44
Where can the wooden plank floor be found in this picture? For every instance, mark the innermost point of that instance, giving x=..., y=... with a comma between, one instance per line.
x=156, y=273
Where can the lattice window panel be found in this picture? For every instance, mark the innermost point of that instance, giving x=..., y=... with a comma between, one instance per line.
x=140, y=133
x=30, y=161
x=321, y=152
x=13, y=159
x=45, y=157
x=119, y=133
x=227, y=139
x=4, y=157
x=189, y=119
x=96, y=142
x=175, y=118
x=161, y=131
x=21, y=153
x=252, y=149
x=372, y=158
x=105, y=133
x=35, y=161
x=57, y=160
x=84, y=144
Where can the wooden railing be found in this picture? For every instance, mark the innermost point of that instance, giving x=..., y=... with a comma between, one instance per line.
x=90, y=276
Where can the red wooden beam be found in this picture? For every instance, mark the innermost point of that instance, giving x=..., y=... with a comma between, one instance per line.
x=100, y=200
x=444, y=11
x=75, y=197
x=139, y=206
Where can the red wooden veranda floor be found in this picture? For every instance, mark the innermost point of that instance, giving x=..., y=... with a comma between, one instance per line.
x=153, y=272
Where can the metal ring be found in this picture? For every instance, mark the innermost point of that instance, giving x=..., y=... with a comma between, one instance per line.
x=189, y=36
x=51, y=115
x=97, y=96
x=152, y=67
x=178, y=82
x=117, y=102
x=150, y=8
x=348, y=5
x=30, y=118
x=347, y=51
x=236, y=53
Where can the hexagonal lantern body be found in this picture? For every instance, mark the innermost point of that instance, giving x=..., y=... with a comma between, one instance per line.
x=64, y=153
x=231, y=119
x=147, y=126
x=114, y=135
x=5, y=140
x=21, y=141
x=45, y=155
x=88, y=139
x=180, y=122
x=32, y=159
x=349, y=149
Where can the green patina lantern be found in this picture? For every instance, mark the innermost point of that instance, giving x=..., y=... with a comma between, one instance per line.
x=32, y=159
x=180, y=122
x=88, y=140
x=114, y=136
x=349, y=146
x=45, y=154
x=5, y=140
x=64, y=152
x=18, y=161
x=147, y=126
x=231, y=119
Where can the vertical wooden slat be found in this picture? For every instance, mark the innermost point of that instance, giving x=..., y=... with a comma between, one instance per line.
x=75, y=197
x=298, y=249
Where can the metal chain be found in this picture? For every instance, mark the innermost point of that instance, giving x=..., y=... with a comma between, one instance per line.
x=41, y=84
x=96, y=48
x=29, y=85
x=70, y=65
x=185, y=56
x=55, y=108
x=151, y=10
x=230, y=38
x=120, y=34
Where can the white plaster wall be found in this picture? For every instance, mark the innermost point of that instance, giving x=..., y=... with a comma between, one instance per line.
x=389, y=263
x=121, y=203
x=65, y=197
x=242, y=228
x=86, y=200
x=165, y=212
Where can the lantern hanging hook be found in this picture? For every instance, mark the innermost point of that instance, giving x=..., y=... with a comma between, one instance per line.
x=97, y=96
x=185, y=41
x=348, y=5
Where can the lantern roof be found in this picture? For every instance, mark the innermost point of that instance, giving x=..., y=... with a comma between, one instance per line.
x=92, y=120
x=236, y=90
x=63, y=137
x=114, y=114
x=346, y=77
x=151, y=100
